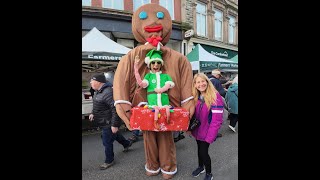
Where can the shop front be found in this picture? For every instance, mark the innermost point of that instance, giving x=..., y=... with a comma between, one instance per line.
x=220, y=52
x=229, y=70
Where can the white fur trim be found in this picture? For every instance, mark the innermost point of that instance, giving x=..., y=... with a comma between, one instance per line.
x=151, y=171
x=158, y=79
x=147, y=60
x=122, y=102
x=159, y=100
x=145, y=81
x=156, y=72
x=170, y=173
x=189, y=98
x=158, y=86
x=171, y=84
x=142, y=103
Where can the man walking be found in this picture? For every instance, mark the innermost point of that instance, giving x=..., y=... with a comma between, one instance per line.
x=105, y=115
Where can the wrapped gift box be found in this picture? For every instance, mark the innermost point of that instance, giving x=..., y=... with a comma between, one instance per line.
x=143, y=119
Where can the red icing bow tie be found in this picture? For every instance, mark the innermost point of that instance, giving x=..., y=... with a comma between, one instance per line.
x=154, y=40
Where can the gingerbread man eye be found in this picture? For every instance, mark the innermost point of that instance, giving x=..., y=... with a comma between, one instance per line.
x=143, y=15
x=160, y=15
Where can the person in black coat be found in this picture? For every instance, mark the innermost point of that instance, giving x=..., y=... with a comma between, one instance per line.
x=105, y=116
x=92, y=91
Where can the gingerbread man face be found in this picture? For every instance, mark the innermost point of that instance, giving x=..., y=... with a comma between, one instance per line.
x=151, y=21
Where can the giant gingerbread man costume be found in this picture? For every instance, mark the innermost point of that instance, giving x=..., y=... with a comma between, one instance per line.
x=152, y=26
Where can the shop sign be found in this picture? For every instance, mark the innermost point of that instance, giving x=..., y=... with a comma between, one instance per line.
x=220, y=52
x=102, y=56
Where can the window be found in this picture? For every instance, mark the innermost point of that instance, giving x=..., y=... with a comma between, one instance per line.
x=169, y=5
x=201, y=19
x=138, y=3
x=232, y=29
x=218, y=25
x=86, y=2
x=113, y=4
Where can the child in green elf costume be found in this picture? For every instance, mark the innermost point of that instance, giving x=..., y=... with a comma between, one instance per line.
x=156, y=82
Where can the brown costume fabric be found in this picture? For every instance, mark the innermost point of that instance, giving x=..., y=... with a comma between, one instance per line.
x=159, y=147
x=138, y=25
x=166, y=148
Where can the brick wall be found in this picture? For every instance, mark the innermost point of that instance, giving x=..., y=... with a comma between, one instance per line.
x=128, y=5
x=96, y=3
x=155, y=1
x=177, y=10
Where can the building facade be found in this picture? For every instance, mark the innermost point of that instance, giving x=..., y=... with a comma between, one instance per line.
x=113, y=18
x=213, y=24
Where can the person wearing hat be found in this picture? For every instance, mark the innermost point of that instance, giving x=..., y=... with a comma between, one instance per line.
x=105, y=115
x=156, y=82
x=215, y=79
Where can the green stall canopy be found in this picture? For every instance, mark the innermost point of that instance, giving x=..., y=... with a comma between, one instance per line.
x=235, y=59
x=203, y=61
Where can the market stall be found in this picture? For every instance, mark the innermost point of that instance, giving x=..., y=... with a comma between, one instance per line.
x=203, y=61
x=99, y=55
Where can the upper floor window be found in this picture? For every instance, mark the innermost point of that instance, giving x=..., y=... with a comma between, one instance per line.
x=113, y=4
x=201, y=19
x=138, y=3
x=86, y=2
x=232, y=29
x=169, y=5
x=218, y=25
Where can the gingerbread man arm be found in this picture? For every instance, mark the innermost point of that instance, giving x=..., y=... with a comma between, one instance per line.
x=136, y=73
x=186, y=82
x=122, y=89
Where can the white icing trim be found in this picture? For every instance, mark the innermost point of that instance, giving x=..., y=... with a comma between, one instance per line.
x=122, y=102
x=170, y=173
x=151, y=171
x=141, y=103
x=189, y=98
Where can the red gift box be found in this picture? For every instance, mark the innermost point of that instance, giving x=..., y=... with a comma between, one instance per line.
x=143, y=119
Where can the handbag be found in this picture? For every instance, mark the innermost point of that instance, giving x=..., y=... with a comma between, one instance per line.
x=194, y=123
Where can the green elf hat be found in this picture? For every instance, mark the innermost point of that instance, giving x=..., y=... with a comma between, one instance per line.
x=153, y=55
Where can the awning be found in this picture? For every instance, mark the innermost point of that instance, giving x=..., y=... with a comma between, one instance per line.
x=97, y=46
x=204, y=61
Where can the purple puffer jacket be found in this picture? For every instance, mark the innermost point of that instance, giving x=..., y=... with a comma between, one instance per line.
x=208, y=131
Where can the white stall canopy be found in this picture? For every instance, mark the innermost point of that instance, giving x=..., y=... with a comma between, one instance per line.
x=97, y=46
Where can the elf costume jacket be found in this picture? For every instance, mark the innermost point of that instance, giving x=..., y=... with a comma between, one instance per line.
x=153, y=82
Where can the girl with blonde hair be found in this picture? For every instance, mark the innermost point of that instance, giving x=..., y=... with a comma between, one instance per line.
x=209, y=110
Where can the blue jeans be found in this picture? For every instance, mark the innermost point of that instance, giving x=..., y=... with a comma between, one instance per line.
x=108, y=138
